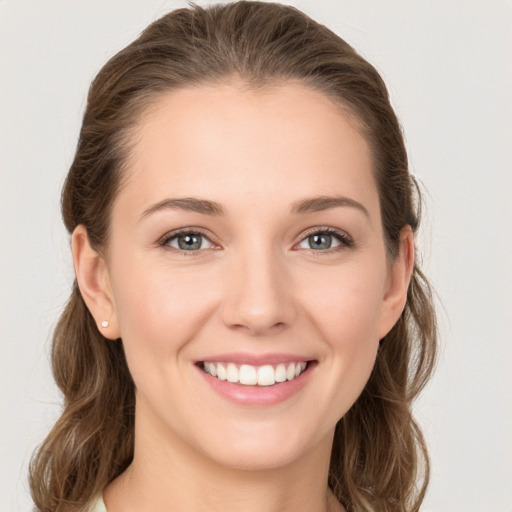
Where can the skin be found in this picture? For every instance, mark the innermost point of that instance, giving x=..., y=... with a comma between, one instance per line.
x=257, y=287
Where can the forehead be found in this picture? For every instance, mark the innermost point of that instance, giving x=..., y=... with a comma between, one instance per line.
x=236, y=143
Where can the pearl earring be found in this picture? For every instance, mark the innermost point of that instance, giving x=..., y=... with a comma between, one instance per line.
x=104, y=323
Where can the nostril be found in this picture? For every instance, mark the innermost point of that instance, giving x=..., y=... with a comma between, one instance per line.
x=256, y=327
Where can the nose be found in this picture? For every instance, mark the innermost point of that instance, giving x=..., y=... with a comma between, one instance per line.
x=259, y=297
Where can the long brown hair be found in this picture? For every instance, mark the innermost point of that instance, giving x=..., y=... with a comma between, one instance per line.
x=379, y=460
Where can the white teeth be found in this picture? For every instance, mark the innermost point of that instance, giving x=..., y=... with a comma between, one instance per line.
x=232, y=373
x=248, y=375
x=280, y=373
x=221, y=372
x=266, y=375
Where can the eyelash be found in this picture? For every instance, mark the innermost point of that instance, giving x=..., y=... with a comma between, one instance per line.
x=168, y=237
x=345, y=240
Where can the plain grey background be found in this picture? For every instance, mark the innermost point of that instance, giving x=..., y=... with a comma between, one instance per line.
x=448, y=65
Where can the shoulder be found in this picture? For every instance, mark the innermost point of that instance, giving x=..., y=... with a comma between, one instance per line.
x=98, y=505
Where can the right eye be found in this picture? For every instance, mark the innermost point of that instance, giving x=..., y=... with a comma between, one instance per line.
x=188, y=241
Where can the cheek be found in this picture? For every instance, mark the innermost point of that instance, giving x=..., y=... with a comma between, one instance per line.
x=346, y=313
x=159, y=310
x=347, y=304
x=352, y=332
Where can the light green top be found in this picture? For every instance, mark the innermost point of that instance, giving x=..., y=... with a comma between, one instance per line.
x=99, y=505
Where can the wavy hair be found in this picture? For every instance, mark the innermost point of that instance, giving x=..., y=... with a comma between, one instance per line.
x=379, y=459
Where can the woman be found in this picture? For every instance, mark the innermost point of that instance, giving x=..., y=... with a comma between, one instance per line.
x=248, y=326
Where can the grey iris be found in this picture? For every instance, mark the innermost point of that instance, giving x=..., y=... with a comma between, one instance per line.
x=320, y=241
x=189, y=242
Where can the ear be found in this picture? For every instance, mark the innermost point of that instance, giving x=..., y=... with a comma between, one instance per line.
x=94, y=282
x=399, y=277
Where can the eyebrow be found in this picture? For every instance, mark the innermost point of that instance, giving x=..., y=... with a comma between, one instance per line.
x=206, y=207
x=190, y=204
x=321, y=203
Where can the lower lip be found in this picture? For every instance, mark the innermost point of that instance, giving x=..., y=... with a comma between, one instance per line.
x=258, y=395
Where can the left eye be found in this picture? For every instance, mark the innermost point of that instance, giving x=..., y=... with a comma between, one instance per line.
x=189, y=242
x=322, y=241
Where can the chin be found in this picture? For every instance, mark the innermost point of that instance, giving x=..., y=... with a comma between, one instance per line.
x=265, y=448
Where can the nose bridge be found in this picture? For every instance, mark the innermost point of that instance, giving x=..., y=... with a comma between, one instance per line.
x=258, y=289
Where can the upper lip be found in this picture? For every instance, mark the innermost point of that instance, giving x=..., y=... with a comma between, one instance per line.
x=255, y=359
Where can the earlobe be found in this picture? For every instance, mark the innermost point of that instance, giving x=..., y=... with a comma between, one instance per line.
x=400, y=273
x=94, y=282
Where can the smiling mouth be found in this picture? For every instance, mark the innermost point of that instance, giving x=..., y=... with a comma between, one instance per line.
x=249, y=375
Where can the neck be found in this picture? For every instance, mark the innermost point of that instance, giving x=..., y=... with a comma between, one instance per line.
x=172, y=476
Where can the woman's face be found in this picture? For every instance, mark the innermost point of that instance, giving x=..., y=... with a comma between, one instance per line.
x=247, y=242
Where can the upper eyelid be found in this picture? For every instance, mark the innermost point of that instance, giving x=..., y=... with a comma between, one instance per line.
x=323, y=229
x=192, y=230
x=326, y=229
